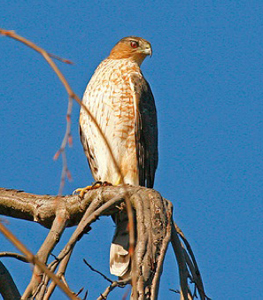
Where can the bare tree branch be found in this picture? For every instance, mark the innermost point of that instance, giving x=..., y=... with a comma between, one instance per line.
x=188, y=268
x=154, y=232
x=67, y=139
x=105, y=294
x=34, y=260
x=95, y=209
x=183, y=272
x=14, y=255
x=103, y=201
x=113, y=285
x=96, y=271
x=110, y=288
x=51, y=240
x=42, y=208
x=191, y=261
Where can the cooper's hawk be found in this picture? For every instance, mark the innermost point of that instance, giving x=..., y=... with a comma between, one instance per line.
x=120, y=99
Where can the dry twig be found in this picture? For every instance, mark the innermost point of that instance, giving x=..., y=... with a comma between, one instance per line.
x=14, y=255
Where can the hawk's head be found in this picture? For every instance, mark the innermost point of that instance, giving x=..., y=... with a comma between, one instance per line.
x=132, y=47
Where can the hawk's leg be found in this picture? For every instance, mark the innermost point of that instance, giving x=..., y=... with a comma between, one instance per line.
x=94, y=186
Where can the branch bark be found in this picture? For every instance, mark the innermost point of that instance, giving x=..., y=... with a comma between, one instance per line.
x=42, y=208
x=155, y=229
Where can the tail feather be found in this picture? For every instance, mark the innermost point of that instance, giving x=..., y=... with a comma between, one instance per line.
x=119, y=251
x=119, y=260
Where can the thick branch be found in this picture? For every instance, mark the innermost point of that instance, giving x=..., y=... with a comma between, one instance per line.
x=42, y=208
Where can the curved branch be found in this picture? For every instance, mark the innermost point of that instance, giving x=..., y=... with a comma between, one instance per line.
x=154, y=231
x=188, y=268
x=191, y=261
x=50, y=242
x=42, y=208
x=14, y=255
x=34, y=260
x=183, y=272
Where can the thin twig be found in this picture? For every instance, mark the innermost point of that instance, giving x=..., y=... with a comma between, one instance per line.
x=67, y=139
x=113, y=285
x=14, y=255
x=80, y=291
x=174, y=291
x=96, y=271
x=192, y=263
x=183, y=272
x=104, y=295
x=60, y=273
x=64, y=60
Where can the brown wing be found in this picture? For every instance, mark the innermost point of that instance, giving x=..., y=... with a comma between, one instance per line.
x=89, y=154
x=146, y=134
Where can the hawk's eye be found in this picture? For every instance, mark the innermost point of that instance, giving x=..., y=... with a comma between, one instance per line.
x=134, y=44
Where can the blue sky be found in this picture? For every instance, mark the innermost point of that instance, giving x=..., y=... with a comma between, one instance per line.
x=206, y=76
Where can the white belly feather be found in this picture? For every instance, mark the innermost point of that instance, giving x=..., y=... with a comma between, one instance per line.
x=110, y=97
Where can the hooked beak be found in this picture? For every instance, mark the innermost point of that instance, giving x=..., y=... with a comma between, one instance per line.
x=148, y=50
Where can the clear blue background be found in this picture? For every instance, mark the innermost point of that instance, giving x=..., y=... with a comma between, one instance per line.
x=206, y=76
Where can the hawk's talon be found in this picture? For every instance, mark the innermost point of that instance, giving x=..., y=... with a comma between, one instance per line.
x=97, y=184
x=82, y=191
x=106, y=183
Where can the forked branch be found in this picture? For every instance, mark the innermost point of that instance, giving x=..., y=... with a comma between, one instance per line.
x=155, y=230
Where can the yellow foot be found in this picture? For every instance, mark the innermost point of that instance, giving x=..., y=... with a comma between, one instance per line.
x=94, y=186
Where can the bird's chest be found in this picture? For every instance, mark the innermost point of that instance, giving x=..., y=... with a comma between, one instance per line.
x=122, y=107
x=122, y=97
x=111, y=97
